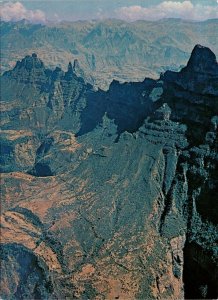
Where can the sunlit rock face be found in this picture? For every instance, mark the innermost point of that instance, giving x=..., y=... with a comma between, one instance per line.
x=109, y=195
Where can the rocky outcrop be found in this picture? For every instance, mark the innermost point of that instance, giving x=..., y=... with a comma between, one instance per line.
x=202, y=60
x=193, y=97
x=114, y=193
x=40, y=96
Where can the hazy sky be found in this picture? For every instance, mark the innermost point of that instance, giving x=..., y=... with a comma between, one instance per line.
x=58, y=10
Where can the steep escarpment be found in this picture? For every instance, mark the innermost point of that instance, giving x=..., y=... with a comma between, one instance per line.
x=46, y=101
x=110, y=194
x=192, y=95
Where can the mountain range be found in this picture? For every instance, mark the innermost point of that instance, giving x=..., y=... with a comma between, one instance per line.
x=109, y=49
x=109, y=194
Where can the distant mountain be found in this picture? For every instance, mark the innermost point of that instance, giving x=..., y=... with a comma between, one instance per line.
x=110, y=49
x=109, y=194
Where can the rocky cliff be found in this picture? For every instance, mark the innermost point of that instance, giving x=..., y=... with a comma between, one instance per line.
x=109, y=194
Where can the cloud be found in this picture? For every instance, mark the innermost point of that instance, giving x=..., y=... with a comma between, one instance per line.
x=17, y=11
x=168, y=9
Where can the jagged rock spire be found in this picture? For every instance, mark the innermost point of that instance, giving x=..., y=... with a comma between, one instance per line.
x=202, y=60
x=70, y=68
x=70, y=74
x=74, y=71
x=30, y=62
x=76, y=65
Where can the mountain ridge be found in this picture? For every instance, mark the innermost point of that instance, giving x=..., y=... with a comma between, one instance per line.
x=110, y=194
x=152, y=49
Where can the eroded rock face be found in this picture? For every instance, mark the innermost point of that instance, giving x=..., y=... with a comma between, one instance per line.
x=113, y=195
